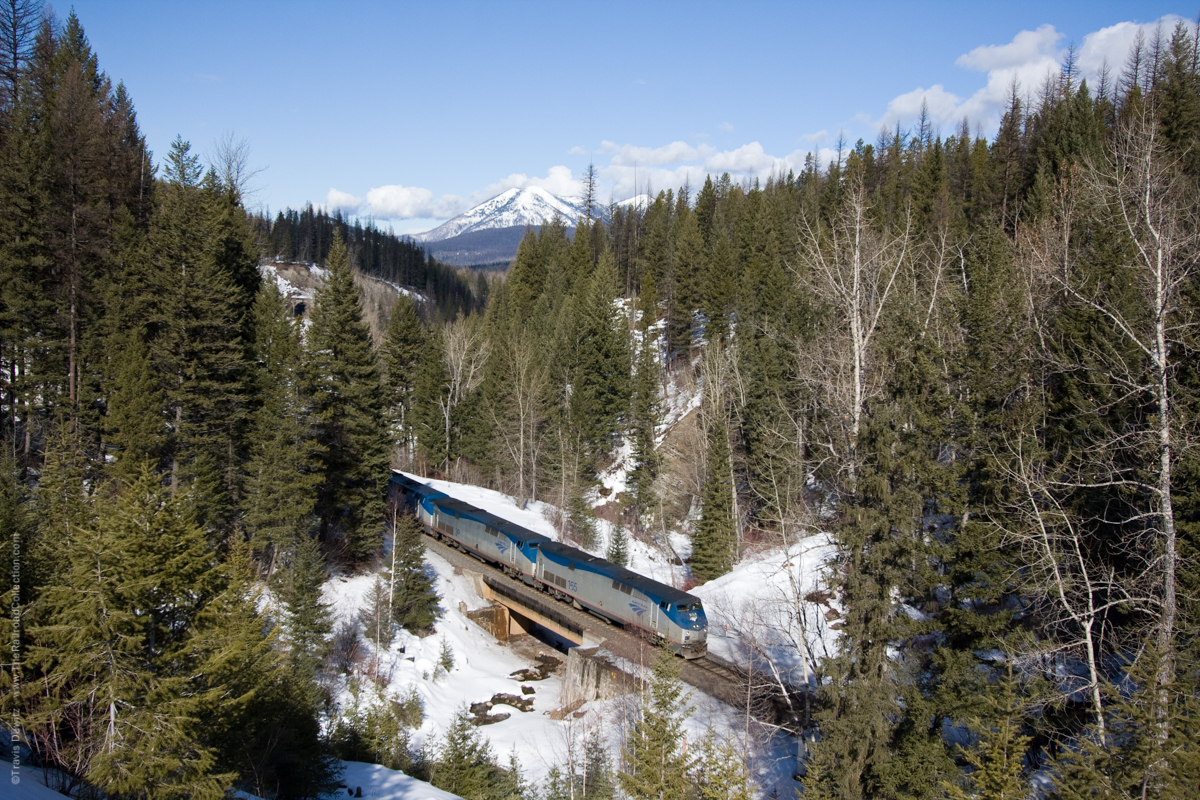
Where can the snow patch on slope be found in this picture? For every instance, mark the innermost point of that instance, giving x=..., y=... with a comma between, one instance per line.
x=532, y=205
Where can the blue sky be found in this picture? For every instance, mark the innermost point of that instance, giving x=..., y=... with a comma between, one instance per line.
x=412, y=112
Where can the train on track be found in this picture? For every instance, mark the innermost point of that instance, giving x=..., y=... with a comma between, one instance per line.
x=591, y=584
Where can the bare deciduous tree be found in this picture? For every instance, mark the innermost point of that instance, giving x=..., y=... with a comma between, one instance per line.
x=854, y=267
x=1140, y=188
x=465, y=350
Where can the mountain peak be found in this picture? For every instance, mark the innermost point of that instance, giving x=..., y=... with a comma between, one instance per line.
x=531, y=205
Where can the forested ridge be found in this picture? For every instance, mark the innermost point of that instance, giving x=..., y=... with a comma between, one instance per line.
x=306, y=236
x=972, y=362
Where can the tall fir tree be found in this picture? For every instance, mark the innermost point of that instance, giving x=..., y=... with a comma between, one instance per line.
x=414, y=600
x=714, y=540
x=655, y=762
x=349, y=408
x=282, y=468
x=400, y=355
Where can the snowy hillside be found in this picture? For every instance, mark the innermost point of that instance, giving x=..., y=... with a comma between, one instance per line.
x=516, y=207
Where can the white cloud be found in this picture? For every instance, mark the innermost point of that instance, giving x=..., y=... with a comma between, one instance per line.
x=1025, y=62
x=750, y=159
x=673, y=153
x=726, y=127
x=558, y=180
x=405, y=202
x=336, y=198
x=814, y=137
x=943, y=106
x=1025, y=47
x=1112, y=44
x=396, y=202
x=577, y=151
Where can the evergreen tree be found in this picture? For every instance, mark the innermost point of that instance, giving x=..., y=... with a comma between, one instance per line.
x=600, y=385
x=123, y=646
x=996, y=761
x=714, y=540
x=135, y=423
x=414, y=601
x=197, y=342
x=721, y=772
x=376, y=617
x=465, y=764
x=306, y=619
x=655, y=765
x=349, y=407
x=431, y=386
x=645, y=416
x=282, y=467
x=581, y=519
x=618, y=546
x=400, y=354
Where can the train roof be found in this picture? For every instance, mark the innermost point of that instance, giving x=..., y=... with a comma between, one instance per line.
x=647, y=586
x=444, y=500
x=659, y=592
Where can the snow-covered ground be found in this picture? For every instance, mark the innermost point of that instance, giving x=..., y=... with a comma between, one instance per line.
x=754, y=613
x=381, y=783
x=773, y=613
x=26, y=783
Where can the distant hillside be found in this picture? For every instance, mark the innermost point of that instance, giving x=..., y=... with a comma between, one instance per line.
x=482, y=248
x=515, y=208
x=305, y=236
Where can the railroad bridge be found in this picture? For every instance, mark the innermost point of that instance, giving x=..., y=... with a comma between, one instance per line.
x=518, y=608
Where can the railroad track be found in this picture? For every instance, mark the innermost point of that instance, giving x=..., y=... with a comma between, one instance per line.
x=709, y=674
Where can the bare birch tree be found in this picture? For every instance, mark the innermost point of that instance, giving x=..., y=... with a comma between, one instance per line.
x=519, y=424
x=854, y=267
x=1140, y=190
x=465, y=351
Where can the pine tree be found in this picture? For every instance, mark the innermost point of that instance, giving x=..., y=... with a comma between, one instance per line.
x=282, y=467
x=721, y=772
x=465, y=765
x=136, y=424
x=646, y=413
x=997, y=759
x=431, y=386
x=414, y=601
x=349, y=407
x=197, y=343
x=618, y=546
x=400, y=354
x=306, y=621
x=655, y=766
x=581, y=519
x=119, y=650
x=714, y=540
x=376, y=617
x=600, y=385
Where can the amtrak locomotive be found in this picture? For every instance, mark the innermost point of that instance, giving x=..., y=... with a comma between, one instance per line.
x=590, y=583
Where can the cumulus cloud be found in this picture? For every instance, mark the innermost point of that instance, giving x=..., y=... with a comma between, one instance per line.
x=1025, y=47
x=577, y=151
x=558, y=180
x=673, y=153
x=1024, y=63
x=749, y=158
x=396, y=202
x=405, y=202
x=726, y=127
x=1111, y=45
x=942, y=106
x=345, y=201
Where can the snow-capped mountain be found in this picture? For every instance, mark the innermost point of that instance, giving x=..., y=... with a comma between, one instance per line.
x=514, y=208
